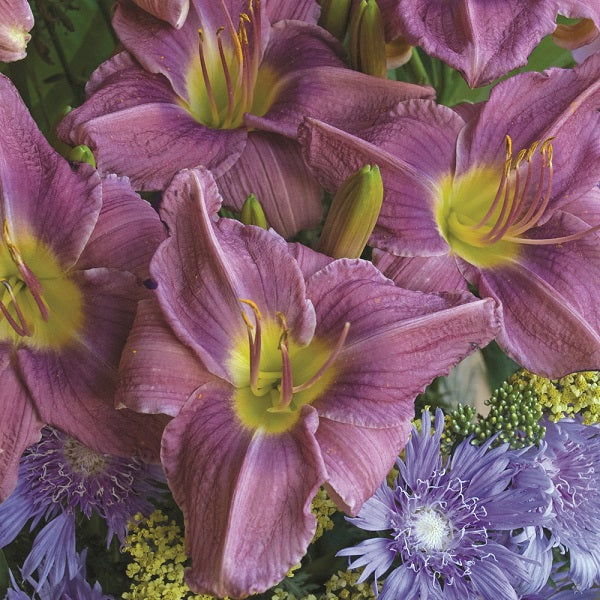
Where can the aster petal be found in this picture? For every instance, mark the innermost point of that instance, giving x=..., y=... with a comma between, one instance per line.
x=565, y=336
x=204, y=270
x=421, y=273
x=400, y=583
x=560, y=103
x=491, y=582
x=376, y=555
x=357, y=459
x=481, y=40
x=157, y=372
x=16, y=20
x=173, y=12
x=420, y=151
x=127, y=232
x=21, y=424
x=389, y=327
x=73, y=388
x=230, y=482
x=53, y=554
x=271, y=168
x=40, y=195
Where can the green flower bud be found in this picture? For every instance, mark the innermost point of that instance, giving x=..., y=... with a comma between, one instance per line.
x=353, y=214
x=252, y=213
x=367, y=39
x=334, y=16
x=81, y=154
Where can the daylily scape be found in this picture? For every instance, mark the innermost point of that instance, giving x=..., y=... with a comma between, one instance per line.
x=292, y=307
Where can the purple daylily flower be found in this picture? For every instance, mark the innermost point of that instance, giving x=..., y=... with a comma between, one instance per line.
x=226, y=91
x=278, y=382
x=16, y=20
x=481, y=39
x=72, y=250
x=504, y=199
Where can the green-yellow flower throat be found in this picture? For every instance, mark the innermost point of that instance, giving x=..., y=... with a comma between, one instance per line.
x=265, y=365
x=484, y=221
x=39, y=305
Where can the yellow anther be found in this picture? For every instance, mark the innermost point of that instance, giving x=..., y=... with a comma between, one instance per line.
x=532, y=149
x=508, y=147
x=254, y=308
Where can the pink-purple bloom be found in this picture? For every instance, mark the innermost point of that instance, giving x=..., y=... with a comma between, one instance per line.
x=501, y=196
x=443, y=521
x=16, y=21
x=73, y=253
x=173, y=12
x=226, y=91
x=282, y=375
x=481, y=39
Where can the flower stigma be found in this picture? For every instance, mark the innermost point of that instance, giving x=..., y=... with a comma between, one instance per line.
x=226, y=80
x=43, y=310
x=485, y=221
x=274, y=375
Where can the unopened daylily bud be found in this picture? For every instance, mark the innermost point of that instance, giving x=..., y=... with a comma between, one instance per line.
x=334, y=16
x=81, y=154
x=576, y=35
x=367, y=39
x=252, y=213
x=353, y=214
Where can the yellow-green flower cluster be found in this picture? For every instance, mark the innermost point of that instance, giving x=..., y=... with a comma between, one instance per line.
x=343, y=586
x=322, y=507
x=578, y=393
x=156, y=547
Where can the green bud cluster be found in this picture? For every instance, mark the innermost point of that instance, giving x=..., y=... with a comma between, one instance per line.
x=515, y=412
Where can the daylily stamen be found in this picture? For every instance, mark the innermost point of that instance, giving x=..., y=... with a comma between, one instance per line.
x=230, y=98
x=255, y=342
x=209, y=91
x=334, y=354
x=21, y=329
x=27, y=276
x=286, y=389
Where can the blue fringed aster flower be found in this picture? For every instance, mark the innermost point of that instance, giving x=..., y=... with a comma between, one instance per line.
x=444, y=519
x=59, y=476
x=566, y=468
x=75, y=588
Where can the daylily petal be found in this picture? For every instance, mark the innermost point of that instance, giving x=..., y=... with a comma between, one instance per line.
x=564, y=336
x=390, y=329
x=308, y=260
x=73, y=388
x=299, y=10
x=481, y=40
x=245, y=495
x=406, y=224
x=16, y=20
x=358, y=459
x=173, y=12
x=172, y=139
x=157, y=372
x=559, y=103
x=421, y=273
x=21, y=424
x=204, y=270
x=127, y=232
x=40, y=195
x=312, y=84
x=272, y=169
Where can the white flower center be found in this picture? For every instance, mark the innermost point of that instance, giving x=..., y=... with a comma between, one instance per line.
x=431, y=529
x=83, y=460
